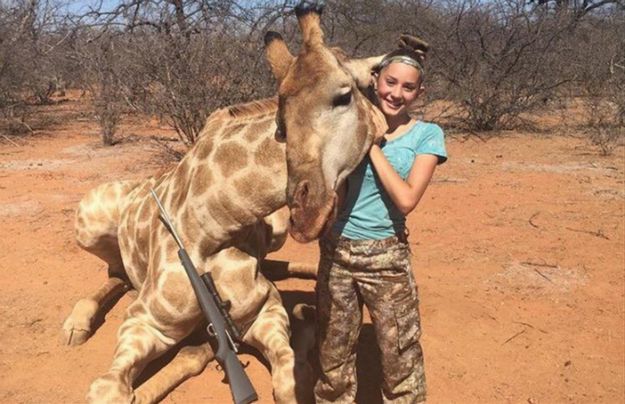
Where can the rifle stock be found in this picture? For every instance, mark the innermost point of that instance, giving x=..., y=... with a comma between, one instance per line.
x=242, y=390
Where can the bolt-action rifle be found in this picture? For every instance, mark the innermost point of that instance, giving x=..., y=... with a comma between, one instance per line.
x=220, y=325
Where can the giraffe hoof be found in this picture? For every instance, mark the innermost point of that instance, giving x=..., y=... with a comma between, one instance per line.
x=77, y=326
x=109, y=389
x=73, y=336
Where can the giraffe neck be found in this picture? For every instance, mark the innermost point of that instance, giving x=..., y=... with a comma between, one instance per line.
x=233, y=176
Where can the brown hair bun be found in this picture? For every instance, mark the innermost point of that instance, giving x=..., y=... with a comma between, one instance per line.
x=415, y=45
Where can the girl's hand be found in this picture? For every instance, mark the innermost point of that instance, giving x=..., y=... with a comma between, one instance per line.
x=379, y=140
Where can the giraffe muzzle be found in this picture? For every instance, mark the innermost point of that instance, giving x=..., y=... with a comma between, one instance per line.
x=310, y=220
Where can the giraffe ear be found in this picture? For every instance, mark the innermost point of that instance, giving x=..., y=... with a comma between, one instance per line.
x=362, y=69
x=277, y=55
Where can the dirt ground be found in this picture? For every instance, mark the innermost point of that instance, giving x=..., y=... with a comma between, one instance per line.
x=518, y=251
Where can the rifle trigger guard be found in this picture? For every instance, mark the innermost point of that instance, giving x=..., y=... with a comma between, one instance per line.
x=211, y=330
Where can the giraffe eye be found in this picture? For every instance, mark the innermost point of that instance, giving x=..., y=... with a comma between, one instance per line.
x=342, y=99
x=280, y=130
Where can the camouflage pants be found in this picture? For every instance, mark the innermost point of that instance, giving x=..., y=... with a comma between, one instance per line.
x=375, y=273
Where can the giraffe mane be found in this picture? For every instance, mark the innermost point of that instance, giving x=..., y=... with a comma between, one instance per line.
x=253, y=108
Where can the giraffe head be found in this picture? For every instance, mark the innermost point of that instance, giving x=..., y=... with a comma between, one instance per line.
x=325, y=118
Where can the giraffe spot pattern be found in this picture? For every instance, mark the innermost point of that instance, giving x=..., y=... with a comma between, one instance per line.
x=230, y=157
x=201, y=179
x=269, y=153
x=251, y=186
x=255, y=130
x=204, y=147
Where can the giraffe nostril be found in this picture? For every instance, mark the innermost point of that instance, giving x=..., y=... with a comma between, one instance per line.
x=301, y=193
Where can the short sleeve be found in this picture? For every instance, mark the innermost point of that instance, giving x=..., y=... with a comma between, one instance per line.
x=432, y=141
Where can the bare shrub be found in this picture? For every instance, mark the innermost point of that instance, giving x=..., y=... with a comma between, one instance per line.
x=34, y=38
x=184, y=80
x=33, y=50
x=108, y=117
x=491, y=62
x=574, y=8
x=598, y=68
x=499, y=60
x=102, y=67
x=15, y=127
x=607, y=137
x=181, y=60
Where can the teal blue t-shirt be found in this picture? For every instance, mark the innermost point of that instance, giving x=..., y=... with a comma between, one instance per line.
x=368, y=212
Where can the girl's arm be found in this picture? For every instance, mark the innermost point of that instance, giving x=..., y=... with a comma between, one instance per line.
x=404, y=194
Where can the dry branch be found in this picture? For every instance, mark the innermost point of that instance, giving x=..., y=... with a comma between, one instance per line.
x=598, y=233
x=10, y=141
x=543, y=275
x=539, y=264
x=514, y=336
x=534, y=225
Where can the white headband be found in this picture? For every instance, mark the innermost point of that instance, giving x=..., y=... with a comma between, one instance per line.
x=402, y=59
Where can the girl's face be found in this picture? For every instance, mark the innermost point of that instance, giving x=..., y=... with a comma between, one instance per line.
x=398, y=86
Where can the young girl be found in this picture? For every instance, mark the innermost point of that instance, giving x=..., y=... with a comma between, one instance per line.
x=366, y=258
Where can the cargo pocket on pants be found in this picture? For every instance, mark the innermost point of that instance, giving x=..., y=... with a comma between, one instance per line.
x=408, y=326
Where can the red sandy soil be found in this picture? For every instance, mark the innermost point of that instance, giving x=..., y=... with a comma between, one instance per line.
x=518, y=251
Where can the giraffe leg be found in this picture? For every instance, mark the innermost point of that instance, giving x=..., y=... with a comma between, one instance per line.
x=303, y=337
x=140, y=340
x=78, y=326
x=291, y=376
x=96, y=232
x=189, y=362
x=303, y=341
x=276, y=225
x=303, y=270
x=279, y=270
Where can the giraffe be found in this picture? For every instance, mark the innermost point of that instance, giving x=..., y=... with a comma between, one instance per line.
x=225, y=195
